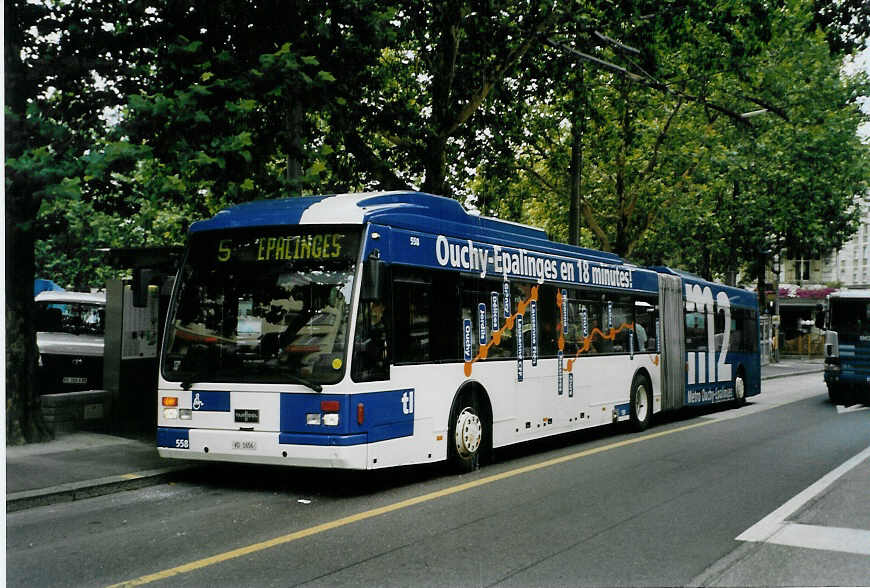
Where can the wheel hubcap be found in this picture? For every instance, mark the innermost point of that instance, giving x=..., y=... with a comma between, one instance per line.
x=469, y=432
x=640, y=406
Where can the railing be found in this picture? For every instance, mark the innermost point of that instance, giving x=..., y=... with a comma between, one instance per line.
x=805, y=345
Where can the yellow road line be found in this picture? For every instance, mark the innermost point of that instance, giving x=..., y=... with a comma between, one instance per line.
x=131, y=476
x=402, y=504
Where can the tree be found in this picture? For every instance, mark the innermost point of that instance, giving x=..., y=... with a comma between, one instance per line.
x=669, y=169
x=846, y=24
x=55, y=111
x=111, y=144
x=795, y=181
x=232, y=103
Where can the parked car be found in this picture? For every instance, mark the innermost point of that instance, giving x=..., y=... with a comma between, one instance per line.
x=70, y=331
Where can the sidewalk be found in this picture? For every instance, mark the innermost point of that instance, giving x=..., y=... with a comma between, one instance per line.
x=792, y=366
x=82, y=465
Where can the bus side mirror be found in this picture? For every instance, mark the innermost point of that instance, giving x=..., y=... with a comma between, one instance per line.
x=374, y=280
x=820, y=317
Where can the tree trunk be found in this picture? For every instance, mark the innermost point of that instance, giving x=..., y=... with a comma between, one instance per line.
x=576, y=195
x=293, y=122
x=621, y=243
x=436, y=167
x=24, y=422
x=447, y=20
x=706, y=262
x=762, y=287
x=578, y=129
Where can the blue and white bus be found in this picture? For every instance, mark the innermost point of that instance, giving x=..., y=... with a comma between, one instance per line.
x=847, y=346
x=374, y=330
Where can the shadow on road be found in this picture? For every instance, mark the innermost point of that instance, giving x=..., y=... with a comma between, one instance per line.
x=348, y=483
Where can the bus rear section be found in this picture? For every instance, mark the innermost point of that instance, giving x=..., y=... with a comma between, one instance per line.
x=847, y=347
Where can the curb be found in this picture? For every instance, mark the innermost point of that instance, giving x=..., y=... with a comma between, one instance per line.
x=90, y=488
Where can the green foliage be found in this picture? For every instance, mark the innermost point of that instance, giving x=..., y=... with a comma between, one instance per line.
x=126, y=121
x=675, y=175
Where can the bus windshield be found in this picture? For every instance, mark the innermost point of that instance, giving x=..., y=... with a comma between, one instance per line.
x=851, y=320
x=265, y=306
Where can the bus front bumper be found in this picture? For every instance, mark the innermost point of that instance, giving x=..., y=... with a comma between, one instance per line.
x=317, y=451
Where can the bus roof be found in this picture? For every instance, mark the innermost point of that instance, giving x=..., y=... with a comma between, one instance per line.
x=415, y=211
x=737, y=295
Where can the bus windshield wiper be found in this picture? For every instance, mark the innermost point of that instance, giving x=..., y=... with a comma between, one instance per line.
x=297, y=380
x=187, y=383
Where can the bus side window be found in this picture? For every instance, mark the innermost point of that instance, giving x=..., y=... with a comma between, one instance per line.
x=548, y=321
x=445, y=322
x=745, y=334
x=522, y=294
x=696, y=328
x=474, y=292
x=596, y=329
x=719, y=329
x=735, y=342
x=644, y=326
x=623, y=317
x=412, y=310
x=371, y=357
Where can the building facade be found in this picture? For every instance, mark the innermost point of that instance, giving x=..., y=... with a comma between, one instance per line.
x=804, y=283
x=848, y=267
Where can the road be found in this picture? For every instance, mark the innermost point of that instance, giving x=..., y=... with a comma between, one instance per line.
x=607, y=507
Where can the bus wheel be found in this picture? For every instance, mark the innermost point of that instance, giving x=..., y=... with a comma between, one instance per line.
x=835, y=394
x=739, y=390
x=641, y=403
x=465, y=436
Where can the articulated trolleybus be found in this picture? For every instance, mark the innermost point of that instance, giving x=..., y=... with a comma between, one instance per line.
x=374, y=330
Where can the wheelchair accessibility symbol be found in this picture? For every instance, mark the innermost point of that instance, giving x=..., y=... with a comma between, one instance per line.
x=197, y=402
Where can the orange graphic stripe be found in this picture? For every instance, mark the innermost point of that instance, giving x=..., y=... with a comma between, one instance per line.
x=521, y=310
x=496, y=336
x=587, y=341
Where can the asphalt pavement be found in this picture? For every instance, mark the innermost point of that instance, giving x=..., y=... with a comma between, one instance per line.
x=82, y=465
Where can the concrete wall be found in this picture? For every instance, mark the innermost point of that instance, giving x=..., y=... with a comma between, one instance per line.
x=77, y=411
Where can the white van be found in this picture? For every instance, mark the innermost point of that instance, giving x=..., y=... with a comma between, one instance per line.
x=70, y=331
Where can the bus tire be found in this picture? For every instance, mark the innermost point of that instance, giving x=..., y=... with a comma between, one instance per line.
x=641, y=402
x=465, y=434
x=739, y=389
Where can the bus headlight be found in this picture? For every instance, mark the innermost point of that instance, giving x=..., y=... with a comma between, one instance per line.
x=185, y=414
x=330, y=419
x=170, y=413
x=312, y=418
